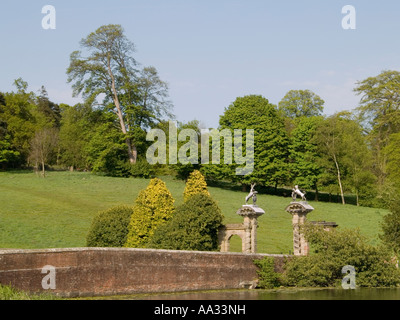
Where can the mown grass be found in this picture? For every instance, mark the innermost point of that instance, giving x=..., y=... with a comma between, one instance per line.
x=56, y=212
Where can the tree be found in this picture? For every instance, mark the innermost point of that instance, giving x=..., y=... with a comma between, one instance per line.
x=301, y=103
x=106, y=150
x=153, y=207
x=194, y=185
x=391, y=228
x=305, y=164
x=194, y=226
x=110, y=70
x=357, y=159
x=7, y=154
x=344, y=152
x=329, y=139
x=18, y=122
x=42, y=146
x=76, y=131
x=50, y=110
x=153, y=101
x=270, y=141
x=380, y=108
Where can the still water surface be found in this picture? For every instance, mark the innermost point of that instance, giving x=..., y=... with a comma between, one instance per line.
x=279, y=294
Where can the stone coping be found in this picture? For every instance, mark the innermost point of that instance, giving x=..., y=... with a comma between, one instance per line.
x=85, y=249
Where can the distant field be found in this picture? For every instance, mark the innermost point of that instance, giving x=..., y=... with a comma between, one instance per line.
x=56, y=212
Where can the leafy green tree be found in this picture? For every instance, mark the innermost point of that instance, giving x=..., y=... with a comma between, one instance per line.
x=18, y=123
x=194, y=226
x=7, y=154
x=110, y=228
x=391, y=228
x=391, y=189
x=358, y=162
x=301, y=103
x=305, y=157
x=106, y=151
x=344, y=152
x=110, y=70
x=76, y=130
x=270, y=141
x=380, y=108
x=153, y=207
x=50, y=110
x=183, y=170
x=153, y=102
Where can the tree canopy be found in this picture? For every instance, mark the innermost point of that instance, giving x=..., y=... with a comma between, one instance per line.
x=109, y=72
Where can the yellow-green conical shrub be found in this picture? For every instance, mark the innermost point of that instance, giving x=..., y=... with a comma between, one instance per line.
x=153, y=207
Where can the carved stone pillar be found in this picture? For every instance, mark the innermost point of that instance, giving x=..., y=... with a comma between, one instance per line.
x=250, y=214
x=299, y=211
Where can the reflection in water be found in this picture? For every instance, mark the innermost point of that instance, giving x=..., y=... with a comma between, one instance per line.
x=279, y=294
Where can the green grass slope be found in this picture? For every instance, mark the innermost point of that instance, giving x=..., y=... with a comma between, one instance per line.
x=56, y=212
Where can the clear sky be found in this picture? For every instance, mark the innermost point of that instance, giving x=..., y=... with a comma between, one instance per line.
x=211, y=51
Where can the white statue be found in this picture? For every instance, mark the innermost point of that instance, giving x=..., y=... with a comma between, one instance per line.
x=252, y=194
x=296, y=192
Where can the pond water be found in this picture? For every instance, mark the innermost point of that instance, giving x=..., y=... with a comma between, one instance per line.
x=279, y=294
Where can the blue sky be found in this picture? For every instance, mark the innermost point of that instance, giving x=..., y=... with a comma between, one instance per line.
x=211, y=52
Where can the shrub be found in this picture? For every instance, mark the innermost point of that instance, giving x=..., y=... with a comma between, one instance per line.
x=142, y=169
x=194, y=185
x=268, y=277
x=193, y=227
x=391, y=229
x=331, y=252
x=153, y=207
x=110, y=228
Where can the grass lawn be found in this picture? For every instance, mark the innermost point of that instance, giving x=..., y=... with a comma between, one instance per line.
x=56, y=212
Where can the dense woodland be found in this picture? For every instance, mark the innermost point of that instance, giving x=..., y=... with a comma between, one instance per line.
x=354, y=152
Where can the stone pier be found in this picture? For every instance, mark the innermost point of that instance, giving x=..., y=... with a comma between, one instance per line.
x=246, y=231
x=299, y=211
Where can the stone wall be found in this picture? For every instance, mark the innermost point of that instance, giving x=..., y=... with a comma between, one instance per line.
x=112, y=271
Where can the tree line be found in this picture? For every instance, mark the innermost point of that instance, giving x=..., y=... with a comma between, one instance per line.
x=353, y=152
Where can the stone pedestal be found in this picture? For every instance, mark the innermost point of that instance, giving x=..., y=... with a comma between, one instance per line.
x=299, y=211
x=246, y=231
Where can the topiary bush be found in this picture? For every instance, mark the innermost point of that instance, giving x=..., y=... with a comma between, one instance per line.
x=194, y=185
x=153, y=207
x=110, y=228
x=193, y=227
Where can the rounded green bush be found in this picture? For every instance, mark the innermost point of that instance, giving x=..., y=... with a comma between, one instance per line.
x=110, y=228
x=194, y=226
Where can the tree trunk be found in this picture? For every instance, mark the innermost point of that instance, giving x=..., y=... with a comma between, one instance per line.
x=132, y=152
x=36, y=168
x=316, y=193
x=358, y=200
x=339, y=179
x=43, y=170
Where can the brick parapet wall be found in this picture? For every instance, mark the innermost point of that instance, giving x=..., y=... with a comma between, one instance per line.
x=113, y=271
